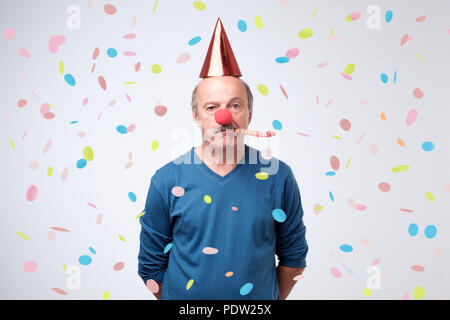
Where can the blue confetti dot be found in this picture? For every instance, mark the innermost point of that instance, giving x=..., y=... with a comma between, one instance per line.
x=384, y=77
x=242, y=25
x=168, y=247
x=346, y=248
x=331, y=196
x=85, y=260
x=81, y=163
x=92, y=250
x=121, y=129
x=194, y=40
x=282, y=59
x=330, y=173
x=69, y=79
x=72, y=122
x=413, y=229
x=428, y=146
x=246, y=288
x=279, y=215
x=395, y=76
x=132, y=196
x=388, y=16
x=111, y=52
x=430, y=231
x=277, y=125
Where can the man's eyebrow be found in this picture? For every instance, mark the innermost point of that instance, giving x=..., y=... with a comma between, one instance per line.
x=214, y=102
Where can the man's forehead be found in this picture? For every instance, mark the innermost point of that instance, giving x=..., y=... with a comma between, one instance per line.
x=211, y=88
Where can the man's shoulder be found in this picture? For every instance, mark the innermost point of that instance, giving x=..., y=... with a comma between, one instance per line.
x=169, y=169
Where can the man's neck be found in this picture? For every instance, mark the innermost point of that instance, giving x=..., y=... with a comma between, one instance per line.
x=221, y=163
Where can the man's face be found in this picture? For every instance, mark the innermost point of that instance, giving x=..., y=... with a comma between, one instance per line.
x=215, y=93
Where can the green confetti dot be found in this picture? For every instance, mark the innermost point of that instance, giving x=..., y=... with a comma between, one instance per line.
x=430, y=196
x=189, y=284
x=199, y=5
x=61, y=67
x=207, y=199
x=305, y=33
x=49, y=171
x=156, y=68
x=105, y=295
x=400, y=168
x=263, y=89
x=155, y=145
x=418, y=293
x=88, y=154
x=122, y=238
x=262, y=175
x=367, y=292
x=349, y=68
x=258, y=22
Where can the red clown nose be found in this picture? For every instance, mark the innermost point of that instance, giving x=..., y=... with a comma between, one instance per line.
x=223, y=116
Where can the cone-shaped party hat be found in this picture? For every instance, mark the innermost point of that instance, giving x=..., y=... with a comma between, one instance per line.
x=220, y=60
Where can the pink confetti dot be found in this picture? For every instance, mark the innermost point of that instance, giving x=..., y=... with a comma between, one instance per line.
x=418, y=93
x=32, y=193
x=160, y=110
x=404, y=39
x=129, y=36
x=85, y=101
x=24, y=53
x=384, y=186
x=405, y=296
x=234, y=208
x=95, y=53
x=355, y=15
x=345, y=124
x=352, y=203
x=110, y=9
x=322, y=64
x=335, y=272
x=364, y=242
x=49, y=115
x=59, y=291
x=129, y=53
x=284, y=92
x=178, y=191
x=44, y=108
x=417, y=268
x=361, y=207
x=47, y=146
x=102, y=82
x=34, y=165
x=446, y=187
x=209, y=250
x=30, y=266
x=118, y=266
x=346, y=76
x=183, y=58
x=420, y=19
x=51, y=235
x=334, y=161
x=60, y=229
x=131, y=128
x=21, y=103
x=128, y=97
x=64, y=174
x=373, y=149
x=292, y=53
x=376, y=261
x=99, y=219
x=411, y=117
x=137, y=67
x=55, y=41
x=9, y=33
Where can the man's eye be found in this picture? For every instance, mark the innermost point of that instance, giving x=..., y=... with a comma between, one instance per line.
x=208, y=108
x=236, y=106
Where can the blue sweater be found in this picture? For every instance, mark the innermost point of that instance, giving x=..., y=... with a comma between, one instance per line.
x=211, y=237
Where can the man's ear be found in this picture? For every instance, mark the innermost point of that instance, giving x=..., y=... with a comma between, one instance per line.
x=250, y=116
x=196, y=119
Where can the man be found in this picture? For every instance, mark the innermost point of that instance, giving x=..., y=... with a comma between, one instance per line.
x=212, y=226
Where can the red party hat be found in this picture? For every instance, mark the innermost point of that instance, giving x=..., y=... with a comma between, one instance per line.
x=220, y=60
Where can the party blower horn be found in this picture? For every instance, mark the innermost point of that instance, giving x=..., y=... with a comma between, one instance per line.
x=219, y=62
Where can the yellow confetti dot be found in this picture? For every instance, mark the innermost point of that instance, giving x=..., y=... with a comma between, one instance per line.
x=418, y=293
x=12, y=143
x=314, y=13
x=207, y=199
x=348, y=18
x=348, y=163
x=400, y=168
x=337, y=137
x=258, y=22
x=154, y=7
x=263, y=89
x=49, y=171
x=199, y=5
x=129, y=82
x=419, y=57
x=349, y=68
x=155, y=145
x=122, y=238
x=105, y=295
x=64, y=266
x=229, y=274
x=262, y=175
x=156, y=68
x=367, y=292
x=140, y=214
x=305, y=33
x=429, y=196
x=88, y=154
x=189, y=284
x=20, y=234
x=61, y=67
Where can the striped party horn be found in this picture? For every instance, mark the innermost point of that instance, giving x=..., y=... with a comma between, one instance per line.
x=255, y=133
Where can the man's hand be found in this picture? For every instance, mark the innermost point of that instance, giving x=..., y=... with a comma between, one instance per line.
x=158, y=294
x=286, y=279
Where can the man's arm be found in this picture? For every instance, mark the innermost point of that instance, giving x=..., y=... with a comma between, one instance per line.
x=156, y=233
x=286, y=280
